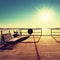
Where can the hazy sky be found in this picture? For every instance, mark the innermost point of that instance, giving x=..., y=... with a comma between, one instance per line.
x=24, y=13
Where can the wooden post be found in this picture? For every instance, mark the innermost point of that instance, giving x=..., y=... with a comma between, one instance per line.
x=9, y=31
x=51, y=32
x=20, y=32
x=41, y=31
x=1, y=37
x=13, y=31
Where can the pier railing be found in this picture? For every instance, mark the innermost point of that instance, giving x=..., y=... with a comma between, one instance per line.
x=36, y=31
x=21, y=31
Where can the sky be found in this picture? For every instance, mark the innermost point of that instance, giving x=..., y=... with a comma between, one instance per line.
x=29, y=13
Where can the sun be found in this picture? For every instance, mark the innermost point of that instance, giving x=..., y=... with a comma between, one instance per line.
x=45, y=16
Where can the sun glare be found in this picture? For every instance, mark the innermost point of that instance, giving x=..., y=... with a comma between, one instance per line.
x=44, y=29
x=45, y=15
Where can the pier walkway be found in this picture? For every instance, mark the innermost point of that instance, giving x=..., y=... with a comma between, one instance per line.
x=34, y=48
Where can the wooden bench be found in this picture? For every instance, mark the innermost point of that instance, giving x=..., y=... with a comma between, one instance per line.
x=10, y=42
x=8, y=37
